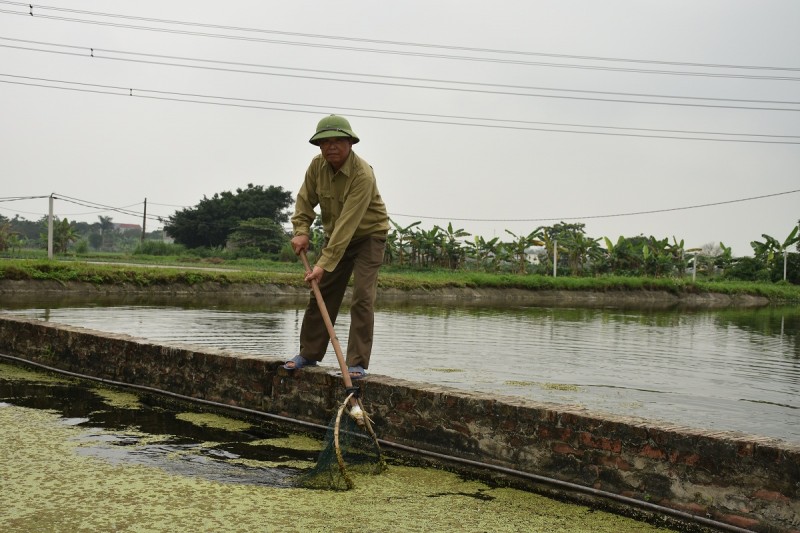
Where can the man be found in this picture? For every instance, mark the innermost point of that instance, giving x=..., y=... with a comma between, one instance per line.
x=356, y=223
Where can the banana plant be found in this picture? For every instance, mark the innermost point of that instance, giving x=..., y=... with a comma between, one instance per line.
x=451, y=253
x=482, y=251
x=402, y=237
x=580, y=251
x=518, y=247
x=771, y=247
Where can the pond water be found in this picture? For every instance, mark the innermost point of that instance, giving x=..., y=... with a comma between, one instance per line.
x=730, y=370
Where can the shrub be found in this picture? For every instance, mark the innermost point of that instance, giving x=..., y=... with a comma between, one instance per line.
x=158, y=248
x=747, y=269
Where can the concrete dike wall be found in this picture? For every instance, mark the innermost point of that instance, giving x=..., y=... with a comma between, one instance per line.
x=745, y=482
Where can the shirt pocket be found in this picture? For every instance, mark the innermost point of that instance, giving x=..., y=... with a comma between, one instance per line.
x=328, y=204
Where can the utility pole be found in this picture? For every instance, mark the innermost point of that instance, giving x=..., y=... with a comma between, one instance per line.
x=555, y=258
x=144, y=221
x=50, y=229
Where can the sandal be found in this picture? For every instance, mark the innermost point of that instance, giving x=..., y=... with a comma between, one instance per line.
x=356, y=372
x=298, y=362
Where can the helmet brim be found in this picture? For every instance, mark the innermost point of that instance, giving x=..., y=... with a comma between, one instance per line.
x=332, y=132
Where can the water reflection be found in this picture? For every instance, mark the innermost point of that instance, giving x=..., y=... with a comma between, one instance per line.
x=734, y=369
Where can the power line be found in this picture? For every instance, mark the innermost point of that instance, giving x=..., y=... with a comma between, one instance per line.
x=93, y=205
x=415, y=54
x=408, y=86
x=129, y=92
x=98, y=208
x=159, y=218
x=94, y=52
x=587, y=217
x=15, y=198
x=168, y=205
x=390, y=42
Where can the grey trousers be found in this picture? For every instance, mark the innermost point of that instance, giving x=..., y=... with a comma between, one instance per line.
x=362, y=259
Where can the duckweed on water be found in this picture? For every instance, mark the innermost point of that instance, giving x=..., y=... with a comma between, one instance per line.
x=211, y=420
x=513, y=383
x=18, y=373
x=56, y=488
x=295, y=442
x=118, y=399
x=560, y=386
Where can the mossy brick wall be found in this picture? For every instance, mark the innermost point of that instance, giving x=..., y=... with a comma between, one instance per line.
x=746, y=481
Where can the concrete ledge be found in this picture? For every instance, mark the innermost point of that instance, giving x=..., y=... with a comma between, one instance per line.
x=463, y=296
x=745, y=481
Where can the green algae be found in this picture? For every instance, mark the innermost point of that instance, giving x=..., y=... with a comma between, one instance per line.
x=446, y=370
x=56, y=489
x=212, y=420
x=513, y=383
x=59, y=488
x=547, y=386
x=295, y=442
x=118, y=399
x=560, y=386
x=19, y=373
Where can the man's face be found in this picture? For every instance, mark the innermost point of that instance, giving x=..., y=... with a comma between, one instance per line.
x=335, y=150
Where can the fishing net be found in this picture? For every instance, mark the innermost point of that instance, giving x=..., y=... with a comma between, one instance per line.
x=351, y=448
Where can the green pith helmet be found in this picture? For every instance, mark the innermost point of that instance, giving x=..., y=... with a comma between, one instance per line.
x=333, y=126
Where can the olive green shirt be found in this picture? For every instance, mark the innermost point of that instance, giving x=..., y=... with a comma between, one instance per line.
x=349, y=201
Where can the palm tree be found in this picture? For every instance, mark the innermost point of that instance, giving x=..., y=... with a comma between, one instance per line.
x=106, y=225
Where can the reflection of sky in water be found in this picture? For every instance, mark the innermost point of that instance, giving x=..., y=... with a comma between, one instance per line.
x=725, y=370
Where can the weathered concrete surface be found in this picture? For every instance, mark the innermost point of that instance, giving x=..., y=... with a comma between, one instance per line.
x=456, y=295
x=746, y=481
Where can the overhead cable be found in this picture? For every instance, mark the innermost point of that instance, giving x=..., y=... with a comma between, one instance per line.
x=392, y=43
x=587, y=217
x=159, y=218
x=15, y=198
x=93, y=205
x=148, y=94
x=95, y=52
x=409, y=53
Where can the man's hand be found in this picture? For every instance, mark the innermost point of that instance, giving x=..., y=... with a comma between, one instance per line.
x=300, y=244
x=315, y=274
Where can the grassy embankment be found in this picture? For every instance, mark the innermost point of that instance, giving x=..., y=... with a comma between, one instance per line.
x=155, y=271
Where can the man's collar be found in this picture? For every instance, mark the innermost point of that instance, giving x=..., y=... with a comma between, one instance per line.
x=347, y=166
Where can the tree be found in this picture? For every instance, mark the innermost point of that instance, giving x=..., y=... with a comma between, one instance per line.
x=452, y=255
x=403, y=235
x=262, y=233
x=570, y=238
x=483, y=251
x=517, y=249
x=212, y=221
x=581, y=250
x=772, y=247
x=5, y=233
x=28, y=230
x=64, y=234
x=106, y=225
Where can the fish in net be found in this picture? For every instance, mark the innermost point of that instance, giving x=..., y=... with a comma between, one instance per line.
x=350, y=447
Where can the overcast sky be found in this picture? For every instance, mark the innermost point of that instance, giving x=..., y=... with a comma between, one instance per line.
x=494, y=116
